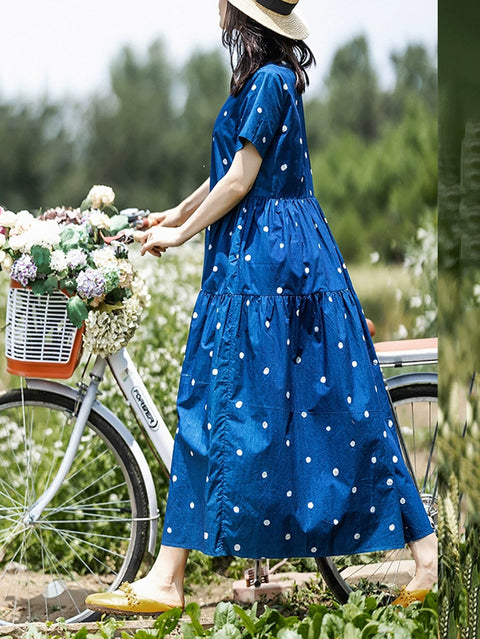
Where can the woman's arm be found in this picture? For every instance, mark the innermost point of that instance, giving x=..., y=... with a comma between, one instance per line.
x=180, y=213
x=225, y=195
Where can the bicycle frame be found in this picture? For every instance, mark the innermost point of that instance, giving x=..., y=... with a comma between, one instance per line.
x=144, y=409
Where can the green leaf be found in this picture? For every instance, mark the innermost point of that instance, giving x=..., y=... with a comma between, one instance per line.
x=85, y=205
x=143, y=634
x=371, y=603
x=228, y=631
x=167, y=622
x=71, y=237
x=288, y=633
x=431, y=601
x=247, y=620
x=351, y=610
x=187, y=631
x=332, y=626
x=224, y=613
x=317, y=609
x=110, y=210
x=68, y=284
x=41, y=257
x=304, y=627
x=51, y=283
x=77, y=311
x=117, y=223
x=370, y=630
x=82, y=633
x=361, y=620
x=351, y=632
x=39, y=287
x=269, y=623
x=117, y=295
x=194, y=612
x=109, y=627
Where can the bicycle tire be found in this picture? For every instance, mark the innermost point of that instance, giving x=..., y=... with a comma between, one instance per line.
x=92, y=535
x=339, y=579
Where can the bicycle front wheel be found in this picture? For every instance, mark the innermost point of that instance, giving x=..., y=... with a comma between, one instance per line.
x=93, y=533
x=415, y=408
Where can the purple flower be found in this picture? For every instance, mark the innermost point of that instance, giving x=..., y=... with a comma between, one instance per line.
x=76, y=258
x=90, y=283
x=24, y=270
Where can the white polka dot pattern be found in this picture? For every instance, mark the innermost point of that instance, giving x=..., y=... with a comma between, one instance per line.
x=284, y=445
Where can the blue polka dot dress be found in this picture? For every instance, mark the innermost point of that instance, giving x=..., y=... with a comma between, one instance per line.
x=285, y=444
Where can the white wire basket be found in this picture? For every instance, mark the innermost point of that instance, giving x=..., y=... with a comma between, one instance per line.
x=40, y=340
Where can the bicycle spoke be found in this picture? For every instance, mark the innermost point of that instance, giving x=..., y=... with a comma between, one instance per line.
x=81, y=559
x=85, y=533
x=55, y=572
x=87, y=537
x=91, y=484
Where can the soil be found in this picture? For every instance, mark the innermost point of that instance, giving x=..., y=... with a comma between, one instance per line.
x=207, y=596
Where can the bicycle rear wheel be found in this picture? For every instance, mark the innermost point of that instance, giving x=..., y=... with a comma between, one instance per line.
x=90, y=537
x=415, y=407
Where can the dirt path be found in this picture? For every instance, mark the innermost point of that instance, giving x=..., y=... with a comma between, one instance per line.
x=207, y=597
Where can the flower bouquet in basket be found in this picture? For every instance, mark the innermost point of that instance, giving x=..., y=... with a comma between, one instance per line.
x=70, y=252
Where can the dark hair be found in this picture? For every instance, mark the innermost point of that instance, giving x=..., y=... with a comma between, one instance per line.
x=251, y=45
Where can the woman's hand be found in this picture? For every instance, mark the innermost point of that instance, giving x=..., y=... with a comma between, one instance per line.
x=171, y=217
x=157, y=239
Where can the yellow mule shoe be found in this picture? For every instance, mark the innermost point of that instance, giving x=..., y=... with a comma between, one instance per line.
x=126, y=602
x=407, y=597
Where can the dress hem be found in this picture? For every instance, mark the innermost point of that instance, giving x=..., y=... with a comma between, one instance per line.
x=364, y=549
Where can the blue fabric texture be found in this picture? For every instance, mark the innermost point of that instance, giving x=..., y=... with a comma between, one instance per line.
x=285, y=444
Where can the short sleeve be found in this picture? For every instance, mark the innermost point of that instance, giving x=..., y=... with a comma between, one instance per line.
x=262, y=111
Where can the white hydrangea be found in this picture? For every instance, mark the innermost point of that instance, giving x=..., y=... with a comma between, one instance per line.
x=99, y=220
x=17, y=242
x=7, y=264
x=2, y=239
x=101, y=195
x=44, y=233
x=125, y=270
x=104, y=257
x=58, y=261
x=7, y=219
x=23, y=222
x=105, y=333
x=38, y=233
x=140, y=291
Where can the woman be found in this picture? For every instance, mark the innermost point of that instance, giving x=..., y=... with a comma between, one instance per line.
x=285, y=445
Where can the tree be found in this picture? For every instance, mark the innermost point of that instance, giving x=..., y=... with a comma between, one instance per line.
x=415, y=75
x=206, y=83
x=131, y=139
x=36, y=153
x=375, y=193
x=353, y=95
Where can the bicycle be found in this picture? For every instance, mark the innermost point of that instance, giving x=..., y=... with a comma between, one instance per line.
x=79, y=510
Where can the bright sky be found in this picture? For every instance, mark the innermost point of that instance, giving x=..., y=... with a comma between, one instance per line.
x=65, y=46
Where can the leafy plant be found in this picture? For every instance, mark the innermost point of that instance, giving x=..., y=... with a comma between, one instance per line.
x=362, y=617
x=459, y=570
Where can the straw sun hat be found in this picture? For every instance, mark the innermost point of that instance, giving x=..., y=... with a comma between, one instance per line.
x=276, y=15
